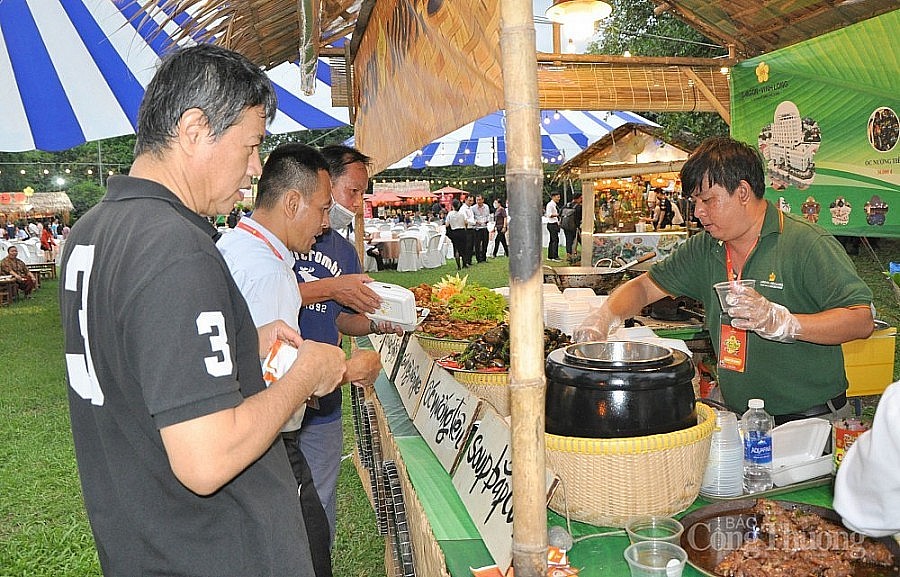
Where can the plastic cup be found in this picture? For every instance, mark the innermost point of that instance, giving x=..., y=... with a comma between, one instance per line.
x=723, y=288
x=655, y=559
x=654, y=529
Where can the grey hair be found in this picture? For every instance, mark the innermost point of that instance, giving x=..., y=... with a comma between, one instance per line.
x=220, y=82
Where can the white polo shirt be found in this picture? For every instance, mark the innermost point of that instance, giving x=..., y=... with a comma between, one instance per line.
x=264, y=272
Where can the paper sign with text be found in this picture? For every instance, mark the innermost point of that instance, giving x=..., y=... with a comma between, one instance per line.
x=391, y=350
x=413, y=369
x=483, y=480
x=376, y=341
x=445, y=416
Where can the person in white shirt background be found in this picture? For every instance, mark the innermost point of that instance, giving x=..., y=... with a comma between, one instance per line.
x=551, y=212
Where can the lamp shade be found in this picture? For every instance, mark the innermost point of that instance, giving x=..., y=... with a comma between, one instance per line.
x=578, y=11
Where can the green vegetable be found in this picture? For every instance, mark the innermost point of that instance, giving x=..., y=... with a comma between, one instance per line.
x=477, y=303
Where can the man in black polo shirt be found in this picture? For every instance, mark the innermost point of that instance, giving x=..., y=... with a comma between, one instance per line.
x=175, y=433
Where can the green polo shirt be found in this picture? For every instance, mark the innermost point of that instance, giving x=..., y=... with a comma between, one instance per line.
x=796, y=264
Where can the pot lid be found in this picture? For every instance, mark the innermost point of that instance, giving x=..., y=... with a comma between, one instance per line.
x=633, y=354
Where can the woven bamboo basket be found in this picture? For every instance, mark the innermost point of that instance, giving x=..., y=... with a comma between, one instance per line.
x=606, y=482
x=438, y=348
x=490, y=387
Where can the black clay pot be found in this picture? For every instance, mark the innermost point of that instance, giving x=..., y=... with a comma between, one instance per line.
x=618, y=389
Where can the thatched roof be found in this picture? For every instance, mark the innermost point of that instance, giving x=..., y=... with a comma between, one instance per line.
x=269, y=31
x=629, y=149
x=40, y=203
x=754, y=27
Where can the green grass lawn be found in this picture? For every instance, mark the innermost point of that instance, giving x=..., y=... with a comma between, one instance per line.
x=43, y=526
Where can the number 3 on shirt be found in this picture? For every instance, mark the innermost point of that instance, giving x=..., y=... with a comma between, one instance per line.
x=218, y=342
x=80, y=367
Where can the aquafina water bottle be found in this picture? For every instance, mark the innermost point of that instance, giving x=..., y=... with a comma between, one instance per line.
x=756, y=425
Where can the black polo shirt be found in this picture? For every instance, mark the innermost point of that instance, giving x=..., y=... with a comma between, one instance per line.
x=157, y=333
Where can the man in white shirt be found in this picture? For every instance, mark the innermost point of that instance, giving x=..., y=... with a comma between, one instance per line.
x=466, y=210
x=294, y=194
x=482, y=215
x=551, y=212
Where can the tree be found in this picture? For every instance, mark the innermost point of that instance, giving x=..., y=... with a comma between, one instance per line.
x=84, y=195
x=634, y=27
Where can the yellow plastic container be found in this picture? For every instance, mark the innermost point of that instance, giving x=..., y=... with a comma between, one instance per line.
x=869, y=363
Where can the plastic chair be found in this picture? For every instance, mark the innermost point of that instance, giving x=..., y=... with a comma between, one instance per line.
x=433, y=257
x=409, y=260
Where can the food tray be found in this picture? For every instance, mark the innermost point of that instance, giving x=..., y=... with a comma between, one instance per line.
x=799, y=472
x=713, y=531
x=809, y=483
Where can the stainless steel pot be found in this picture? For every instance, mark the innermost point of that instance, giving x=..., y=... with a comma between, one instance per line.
x=618, y=389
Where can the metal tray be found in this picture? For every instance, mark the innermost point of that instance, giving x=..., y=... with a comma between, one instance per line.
x=730, y=521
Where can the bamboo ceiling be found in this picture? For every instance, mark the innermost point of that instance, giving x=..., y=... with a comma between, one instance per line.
x=757, y=27
x=269, y=33
x=570, y=82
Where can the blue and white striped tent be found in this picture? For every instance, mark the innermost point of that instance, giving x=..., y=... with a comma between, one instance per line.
x=74, y=71
x=564, y=133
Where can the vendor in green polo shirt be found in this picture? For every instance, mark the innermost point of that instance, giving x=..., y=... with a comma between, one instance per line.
x=782, y=339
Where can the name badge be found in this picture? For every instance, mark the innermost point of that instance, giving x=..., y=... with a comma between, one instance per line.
x=732, y=346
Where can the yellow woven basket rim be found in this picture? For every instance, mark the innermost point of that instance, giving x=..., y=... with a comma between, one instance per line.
x=636, y=445
x=424, y=337
x=481, y=378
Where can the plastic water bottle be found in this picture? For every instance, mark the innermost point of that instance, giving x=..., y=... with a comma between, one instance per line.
x=757, y=428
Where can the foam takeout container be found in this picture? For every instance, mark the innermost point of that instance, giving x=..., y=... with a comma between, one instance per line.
x=398, y=306
x=797, y=451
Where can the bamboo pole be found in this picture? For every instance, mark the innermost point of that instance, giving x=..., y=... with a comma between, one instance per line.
x=524, y=176
x=587, y=222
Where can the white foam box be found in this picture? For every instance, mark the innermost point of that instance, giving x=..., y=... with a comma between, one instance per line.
x=398, y=305
x=797, y=448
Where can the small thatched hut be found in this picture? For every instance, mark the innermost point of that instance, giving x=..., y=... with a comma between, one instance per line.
x=15, y=205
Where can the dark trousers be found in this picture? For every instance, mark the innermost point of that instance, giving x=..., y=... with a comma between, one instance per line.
x=571, y=241
x=500, y=239
x=317, y=529
x=26, y=285
x=481, y=242
x=470, y=246
x=553, y=247
x=457, y=236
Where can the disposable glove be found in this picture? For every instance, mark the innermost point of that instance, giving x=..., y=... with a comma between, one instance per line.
x=597, y=326
x=751, y=311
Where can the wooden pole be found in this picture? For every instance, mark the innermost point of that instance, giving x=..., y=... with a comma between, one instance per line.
x=587, y=222
x=524, y=177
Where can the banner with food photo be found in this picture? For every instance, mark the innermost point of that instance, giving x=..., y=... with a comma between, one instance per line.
x=825, y=114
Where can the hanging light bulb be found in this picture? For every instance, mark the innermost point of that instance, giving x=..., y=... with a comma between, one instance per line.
x=578, y=15
x=556, y=115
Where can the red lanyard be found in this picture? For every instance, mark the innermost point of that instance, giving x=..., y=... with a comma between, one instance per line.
x=729, y=267
x=244, y=226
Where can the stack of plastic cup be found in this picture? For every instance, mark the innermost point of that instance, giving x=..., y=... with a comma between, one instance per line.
x=724, y=474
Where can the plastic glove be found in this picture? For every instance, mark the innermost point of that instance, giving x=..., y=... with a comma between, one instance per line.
x=597, y=326
x=751, y=311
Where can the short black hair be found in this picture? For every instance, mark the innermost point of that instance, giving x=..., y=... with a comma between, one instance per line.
x=291, y=165
x=724, y=161
x=340, y=156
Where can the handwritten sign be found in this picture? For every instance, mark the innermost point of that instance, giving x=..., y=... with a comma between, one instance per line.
x=391, y=350
x=376, y=341
x=413, y=369
x=483, y=480
x=445, y=416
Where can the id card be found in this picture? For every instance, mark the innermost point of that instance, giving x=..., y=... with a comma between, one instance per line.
x=732, y=346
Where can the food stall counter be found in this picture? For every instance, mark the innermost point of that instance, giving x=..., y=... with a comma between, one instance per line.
x=445, y=540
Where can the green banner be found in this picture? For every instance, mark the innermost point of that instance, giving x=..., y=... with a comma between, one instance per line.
x=824, y=113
